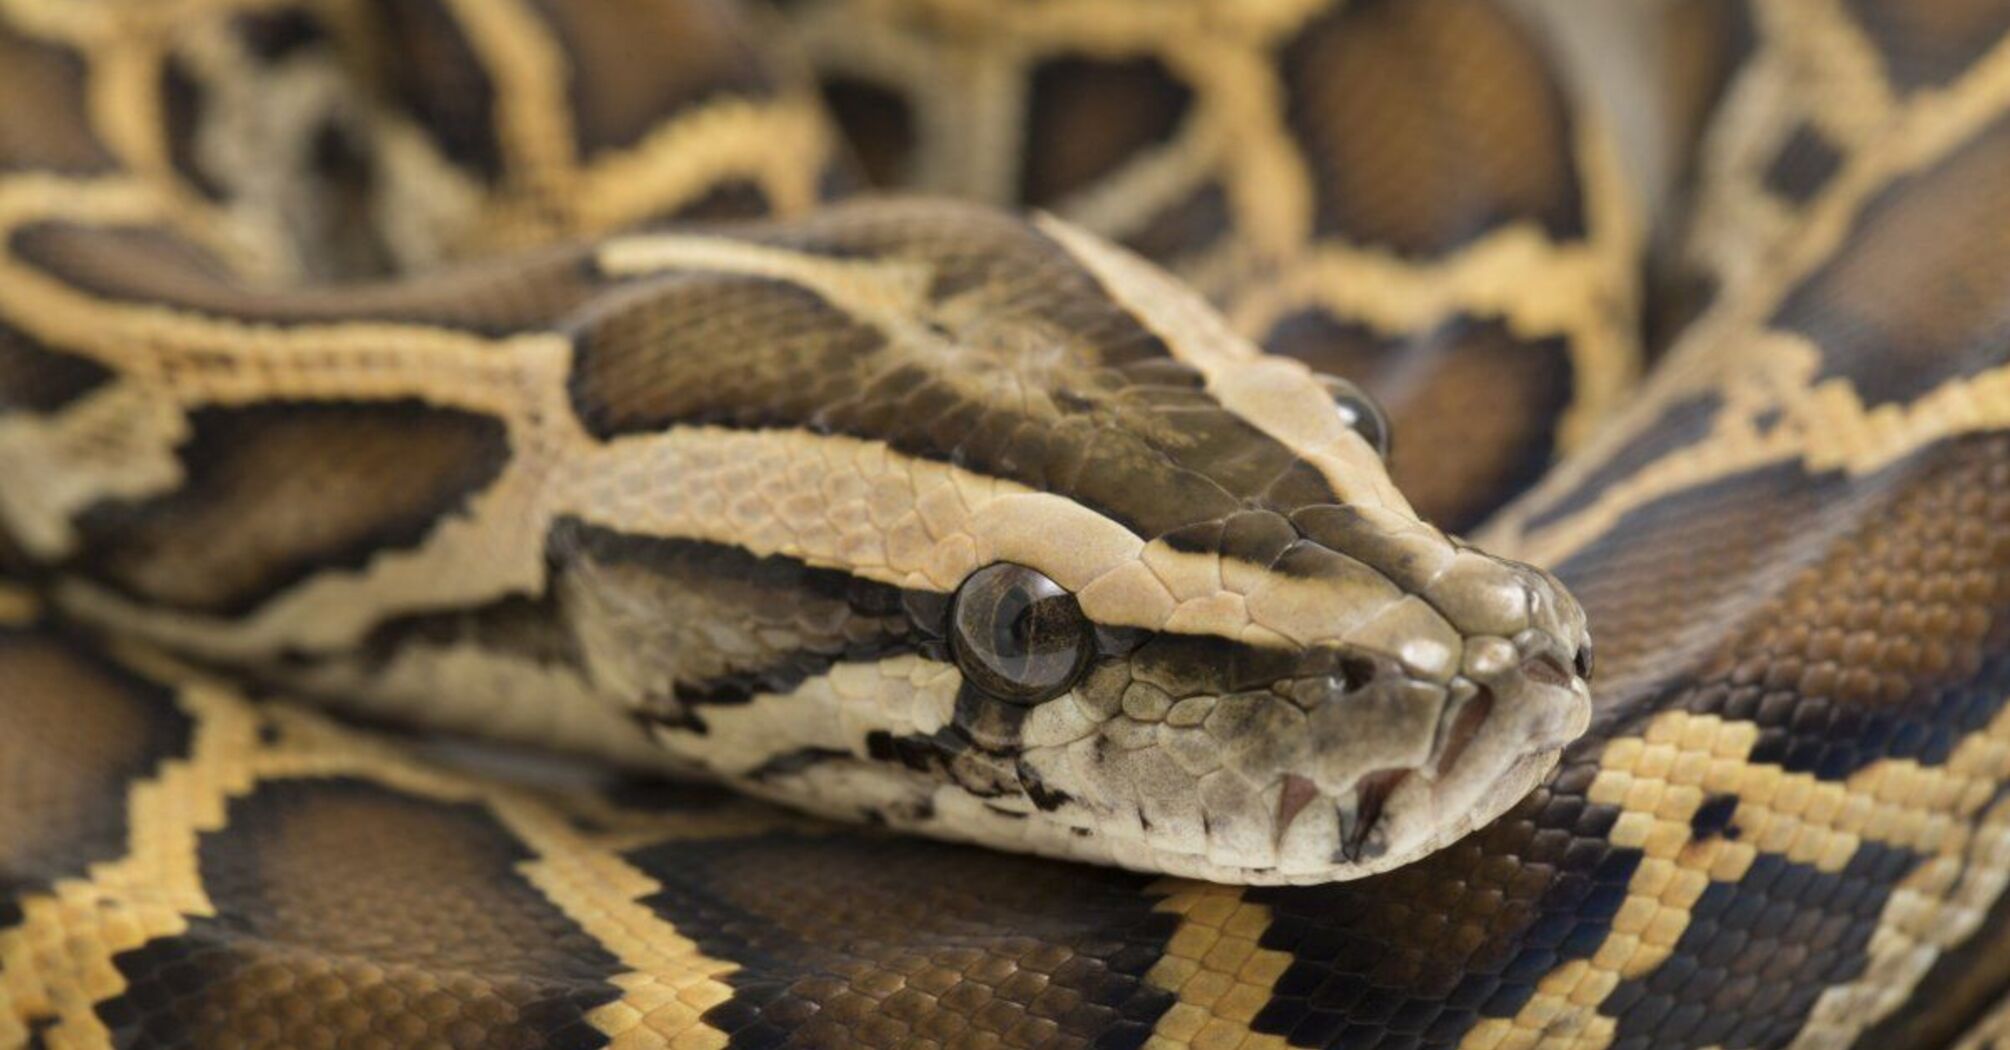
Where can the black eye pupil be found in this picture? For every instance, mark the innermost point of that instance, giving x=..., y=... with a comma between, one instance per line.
x=1360, y=412
x=1018, y=635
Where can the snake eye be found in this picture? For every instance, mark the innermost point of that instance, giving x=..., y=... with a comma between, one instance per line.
x=1360, y=412
x=1018, y=635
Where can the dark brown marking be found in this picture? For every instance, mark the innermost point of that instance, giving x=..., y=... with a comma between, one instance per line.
x=632, y=68
x=1429, y=123
x=1758, y=952
x=1931, y=44
x=1086, y=117
x=1045, y=380
x=79, y=732
x=532, y=629
x=274, y=36
x=1474, y=408
x=938, y=944
x=434, y=75
x=719, y=349
x=1943, y=229
x=1422, y=953
x=1713, y=818
x=879, y=125
x=1184, y=229
x=1682, y=423
x=182, y=100
x=1804, y=165
x=147, y=266
x=1704, y=44
x=342, y=901
x=37, y=379
x=714, y=623
x=277, y=492
x=727, y=201
x=1852, y=622
x=54, y=133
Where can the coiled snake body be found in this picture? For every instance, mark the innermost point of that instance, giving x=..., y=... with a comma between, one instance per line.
x=513, y=368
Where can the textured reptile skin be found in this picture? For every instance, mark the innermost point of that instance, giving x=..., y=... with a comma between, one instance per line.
x=1785, y=826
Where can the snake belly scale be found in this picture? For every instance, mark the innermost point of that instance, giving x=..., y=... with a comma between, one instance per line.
x=551, y=372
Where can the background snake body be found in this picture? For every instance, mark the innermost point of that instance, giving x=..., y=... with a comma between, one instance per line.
x=509, y=368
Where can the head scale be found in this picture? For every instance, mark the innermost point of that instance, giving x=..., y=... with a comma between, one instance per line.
x=1068, y=566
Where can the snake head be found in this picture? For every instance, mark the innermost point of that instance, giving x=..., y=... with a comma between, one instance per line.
x=1422, y=688
x=1070, y=566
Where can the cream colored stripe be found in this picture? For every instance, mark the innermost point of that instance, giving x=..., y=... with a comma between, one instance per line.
x=528, y=69
x=1128, y=25
x=1275, y=395
x=778, y=144
x=904, y=695
x=889, y=294
x=831, y=501
x=856, y=505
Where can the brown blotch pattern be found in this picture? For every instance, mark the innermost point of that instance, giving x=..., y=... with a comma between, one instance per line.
x=1429, y=123
x=1417, y=956
x=530, y=629
x=879, y=125
x=1703, y=43
x=182, y=100
x=1185, y=229
x=1681, y=424
x=1930, y=44
x=1039, y=376
x=37, y=379
x=931, y=944
x=1758, y=952
x=54, y=133
x=273, y=36
x=727, y=202
x=632, y=67
x=431, y=71
x=147, y=266
x=716, y=348
x=1895, y=340
x=1474, y=409
x=1804, y=165
x=1086, y=117
x=350, y=914
x=276, y=492
x=78, y=732
x=1851, y=622
x=710, y=623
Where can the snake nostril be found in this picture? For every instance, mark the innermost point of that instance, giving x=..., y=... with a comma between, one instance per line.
x=1584, y=662
x=1356, y=672
x=1546, y=669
